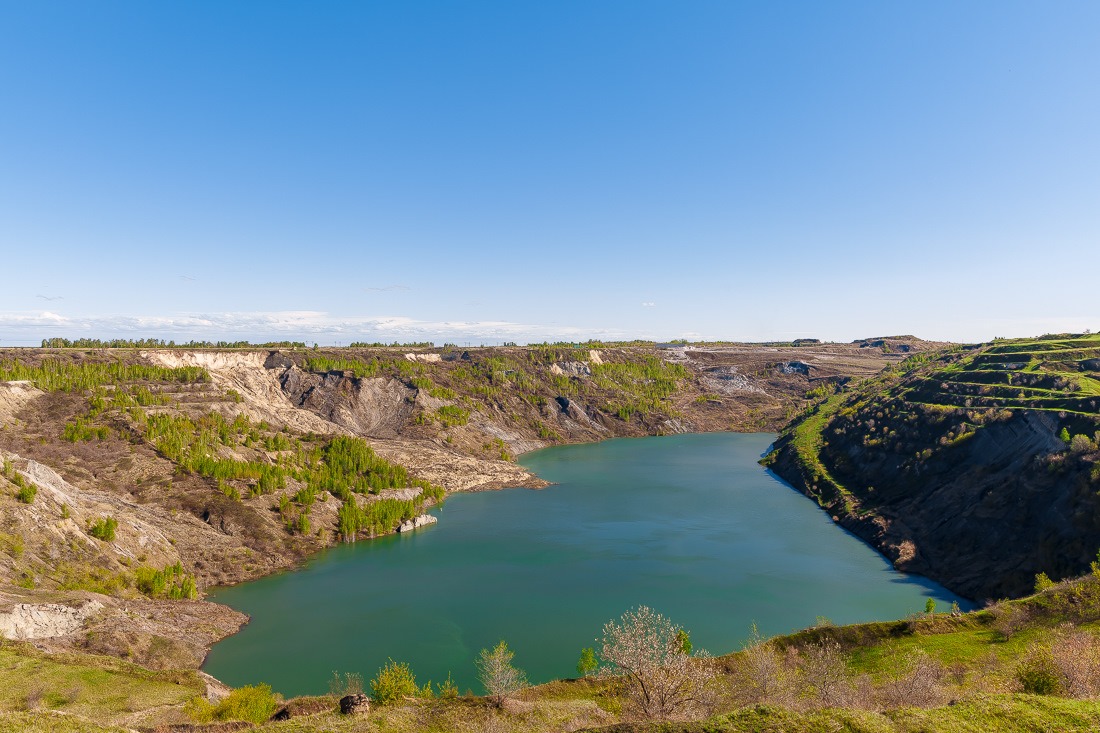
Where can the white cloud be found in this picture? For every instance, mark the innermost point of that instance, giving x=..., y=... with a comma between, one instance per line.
x=29, y=327
x=648, y=304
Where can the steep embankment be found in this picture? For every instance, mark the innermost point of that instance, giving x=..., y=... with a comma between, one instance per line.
x=133, y=479
x=976, y=467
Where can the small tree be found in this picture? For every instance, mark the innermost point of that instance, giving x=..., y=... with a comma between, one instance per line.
x=587, y=664
x=500, y=678
x=1043, y=582
x=1081, y=444
x=930, y=607
x=647, y=649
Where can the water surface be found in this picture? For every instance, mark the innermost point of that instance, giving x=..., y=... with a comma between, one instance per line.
x=690, y=525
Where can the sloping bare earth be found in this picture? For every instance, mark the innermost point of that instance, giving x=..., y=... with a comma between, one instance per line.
x=454, y=418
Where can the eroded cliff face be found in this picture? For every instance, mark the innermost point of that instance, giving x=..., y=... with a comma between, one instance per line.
x=454, y=419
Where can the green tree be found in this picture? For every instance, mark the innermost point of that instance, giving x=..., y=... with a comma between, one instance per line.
x=587, y=664
x=930, y=607
x=684, y=638
x=1064, y=435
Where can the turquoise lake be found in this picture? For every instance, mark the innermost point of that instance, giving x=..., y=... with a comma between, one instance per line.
x=689, y=525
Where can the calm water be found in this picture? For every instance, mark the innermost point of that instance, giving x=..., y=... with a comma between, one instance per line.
x=689, y=525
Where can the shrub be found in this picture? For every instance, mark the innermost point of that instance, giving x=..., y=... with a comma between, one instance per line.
x=251, y=703
x=104, y=529
x=1038, y=674
x=1081, y=444
x=27, y=493
x=394, y=682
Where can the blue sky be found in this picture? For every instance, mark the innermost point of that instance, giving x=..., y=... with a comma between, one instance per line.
x=486, y=171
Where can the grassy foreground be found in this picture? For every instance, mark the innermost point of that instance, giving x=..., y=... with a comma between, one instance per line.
x=932, y=672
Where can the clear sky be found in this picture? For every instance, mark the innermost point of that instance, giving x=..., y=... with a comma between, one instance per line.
x=486, y=171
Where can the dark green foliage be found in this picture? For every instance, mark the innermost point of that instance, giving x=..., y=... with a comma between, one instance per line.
x=104, y=529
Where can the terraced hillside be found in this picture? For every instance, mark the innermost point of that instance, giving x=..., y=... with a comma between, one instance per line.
x=977, y=466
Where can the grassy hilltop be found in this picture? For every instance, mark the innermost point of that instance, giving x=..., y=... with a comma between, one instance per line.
x=977, y=466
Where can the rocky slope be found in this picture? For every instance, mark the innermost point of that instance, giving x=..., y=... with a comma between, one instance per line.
x=217, y=466
x=977, y=467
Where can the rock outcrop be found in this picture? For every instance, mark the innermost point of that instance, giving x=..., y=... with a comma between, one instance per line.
x=28, y=621
x=416, y=523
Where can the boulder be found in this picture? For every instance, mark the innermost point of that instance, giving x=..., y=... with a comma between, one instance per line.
x=411, y=524
x=358, y=704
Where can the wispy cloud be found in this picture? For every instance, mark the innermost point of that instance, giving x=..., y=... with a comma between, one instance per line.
x=291, y=325
x=649, y=304
x=387, y=288
x=51, y=297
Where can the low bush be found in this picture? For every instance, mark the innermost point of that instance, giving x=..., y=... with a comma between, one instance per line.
x=252, y=703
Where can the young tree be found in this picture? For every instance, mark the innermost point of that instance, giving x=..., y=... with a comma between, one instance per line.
x=646, y=648
x=499, y=677
x=587, y=664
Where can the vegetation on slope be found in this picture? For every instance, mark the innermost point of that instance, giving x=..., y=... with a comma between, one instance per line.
x=968, y=438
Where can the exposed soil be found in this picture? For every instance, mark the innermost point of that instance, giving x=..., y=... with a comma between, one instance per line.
x=165, y=515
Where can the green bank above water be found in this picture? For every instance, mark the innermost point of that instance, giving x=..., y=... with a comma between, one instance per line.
x=690, y=525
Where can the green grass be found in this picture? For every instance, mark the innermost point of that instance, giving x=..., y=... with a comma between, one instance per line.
x=101, y=689
x=985, y=714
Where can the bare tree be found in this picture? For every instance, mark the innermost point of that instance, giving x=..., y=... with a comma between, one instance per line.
x=662, y=678
x=1076, y=655
x=913, y=680
x=500, y=678
x=762, y=674
x=825, y=674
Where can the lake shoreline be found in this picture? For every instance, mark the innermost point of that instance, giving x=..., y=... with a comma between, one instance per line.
x=690, y=460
